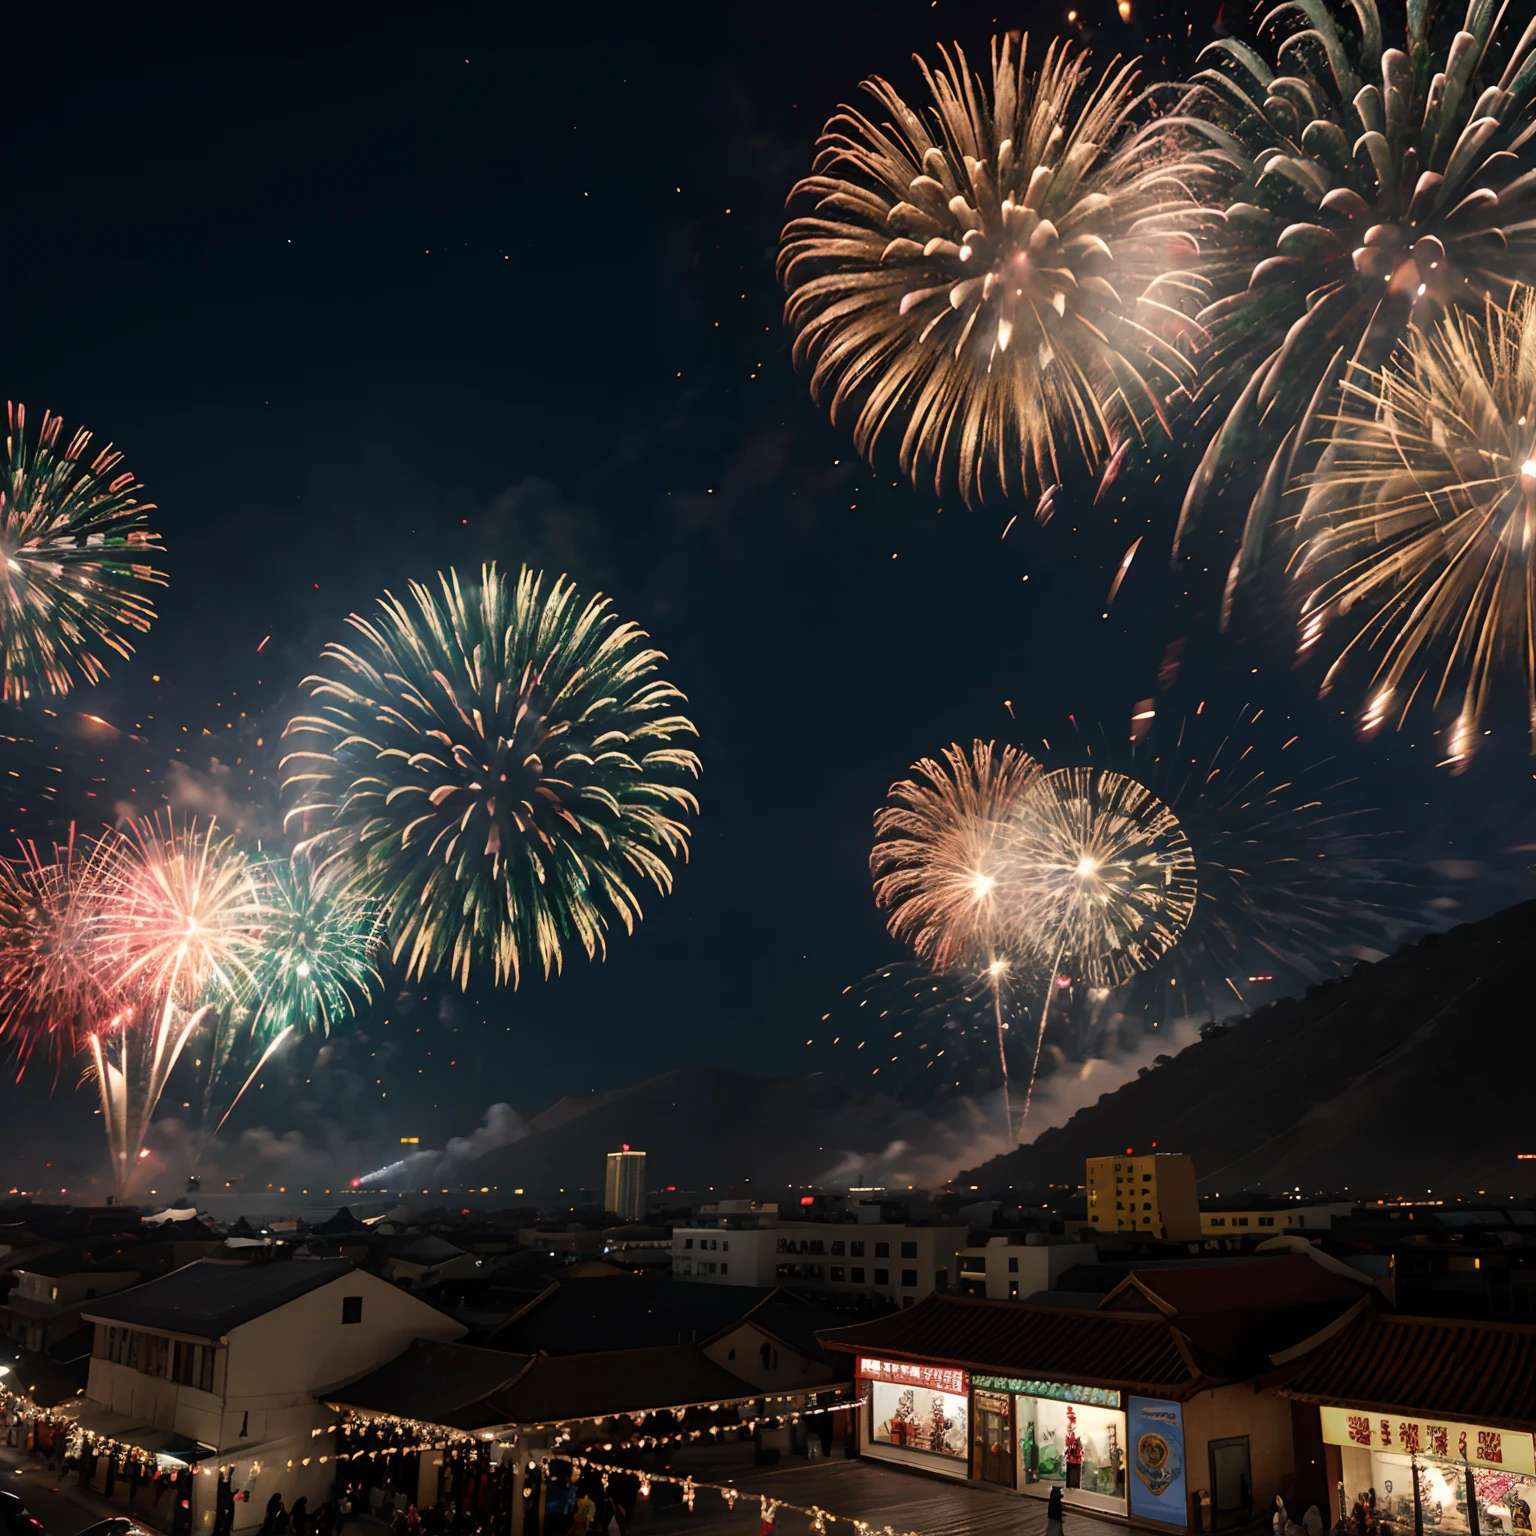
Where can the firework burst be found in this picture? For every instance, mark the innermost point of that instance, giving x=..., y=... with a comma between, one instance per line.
x=498, y=768
x=983, y=276
x=74, y=539
x=1354, y=190
x=52, y=988
x=941, y=852
x=940, y=867
x=1103, y=881
x=1429, y=558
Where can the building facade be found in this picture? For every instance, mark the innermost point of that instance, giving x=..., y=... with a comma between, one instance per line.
x=232, y=1363
x=1006, y=1269
x=624, y=1186
x=1152, y=1196
x=900, y=1263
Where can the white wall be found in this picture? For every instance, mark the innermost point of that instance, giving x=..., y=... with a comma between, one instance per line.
x=270, y=1380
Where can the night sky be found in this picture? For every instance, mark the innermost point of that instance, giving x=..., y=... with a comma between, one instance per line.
x=363, y=292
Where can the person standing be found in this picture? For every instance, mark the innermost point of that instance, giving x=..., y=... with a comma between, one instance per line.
x=1053, y=1513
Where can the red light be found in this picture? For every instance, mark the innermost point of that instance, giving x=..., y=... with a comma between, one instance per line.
x=807, y=1199
x=1127, y=1151
x=1154, y=1143
x=671, y=1189
x=357, y=1183
x=465, y=1211
x=626, y=1146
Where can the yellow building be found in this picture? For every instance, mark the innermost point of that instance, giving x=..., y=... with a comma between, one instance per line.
x=1152, y=1195
x=624, y=1187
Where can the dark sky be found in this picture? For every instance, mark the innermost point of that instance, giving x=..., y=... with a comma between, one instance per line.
x=364, y=291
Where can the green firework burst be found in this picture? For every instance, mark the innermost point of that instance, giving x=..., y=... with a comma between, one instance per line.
x=496, y=766
x=73, y=542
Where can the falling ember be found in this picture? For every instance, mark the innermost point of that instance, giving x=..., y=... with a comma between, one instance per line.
x=1125, y=565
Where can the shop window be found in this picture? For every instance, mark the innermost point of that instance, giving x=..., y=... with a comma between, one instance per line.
x=909, y=1277
x=909, y=1250
x=1078, y=1447
x=882, y=1277
x=858, y=1275
x=919, y=1419
x=882, y=1250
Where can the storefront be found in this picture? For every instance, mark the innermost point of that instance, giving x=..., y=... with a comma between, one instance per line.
x=1372, y=1458
x=1062, y=1436
x=917, y=1415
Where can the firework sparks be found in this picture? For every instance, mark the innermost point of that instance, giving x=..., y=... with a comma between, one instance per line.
x=51, y=987
x=74, y=539
x=1102, y=880
x=954, y=277
x=494, y=767
x=1357, y=189
x=940, y=854
x=1430, y=558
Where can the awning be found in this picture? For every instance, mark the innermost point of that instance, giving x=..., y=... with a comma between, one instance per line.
x=165, y=1445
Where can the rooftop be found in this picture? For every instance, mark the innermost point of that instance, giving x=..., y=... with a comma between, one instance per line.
x=208, y=1299
x=1482, y=1372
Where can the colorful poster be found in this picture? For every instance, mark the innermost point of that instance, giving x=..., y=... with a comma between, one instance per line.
x=1155, y=1432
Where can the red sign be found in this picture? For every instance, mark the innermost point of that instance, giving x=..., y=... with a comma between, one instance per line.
x=937, y=1378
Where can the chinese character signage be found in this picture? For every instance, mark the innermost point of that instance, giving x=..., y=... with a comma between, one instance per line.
x=1154, y=1432
x=1508, y=1449
x=936, y=1378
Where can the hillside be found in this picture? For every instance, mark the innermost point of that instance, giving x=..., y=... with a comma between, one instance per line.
x=705, y=1127
x=1408, y=1075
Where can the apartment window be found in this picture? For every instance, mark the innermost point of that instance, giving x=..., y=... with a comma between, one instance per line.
x=858, y=1275
x=725, y=1269
x=1218, y=1221
x=687, y=1242
x=909, y=1250
x=909, y=1277
x=839, y=1248
x=1266, y=1221
x=1146, y=1205
x=882, y=1250
x=1013, y=1266
x=855, y=1250
x=726, y=1245
x=1119, y=1205
x=711, y=1268
x=817, y=1245
x=882, y=1277
x=351, y=1309
x=837, y=1271
x=1146, y=1178
x=1239, y=1221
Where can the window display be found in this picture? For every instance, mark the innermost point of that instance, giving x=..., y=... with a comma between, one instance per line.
x=918, y=1418
x=1377, y=1454
x=1077, y=1446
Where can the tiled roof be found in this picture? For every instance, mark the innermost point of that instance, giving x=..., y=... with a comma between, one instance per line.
x=1134, y=1353
x=468, y=1388
x=437, y=1384
x=206, y=1300
x=1477, y=1372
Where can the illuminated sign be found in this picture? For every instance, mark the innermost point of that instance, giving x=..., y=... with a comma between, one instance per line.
x=1509, y=1449
x=937, y=1378
x=1060, y=1391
